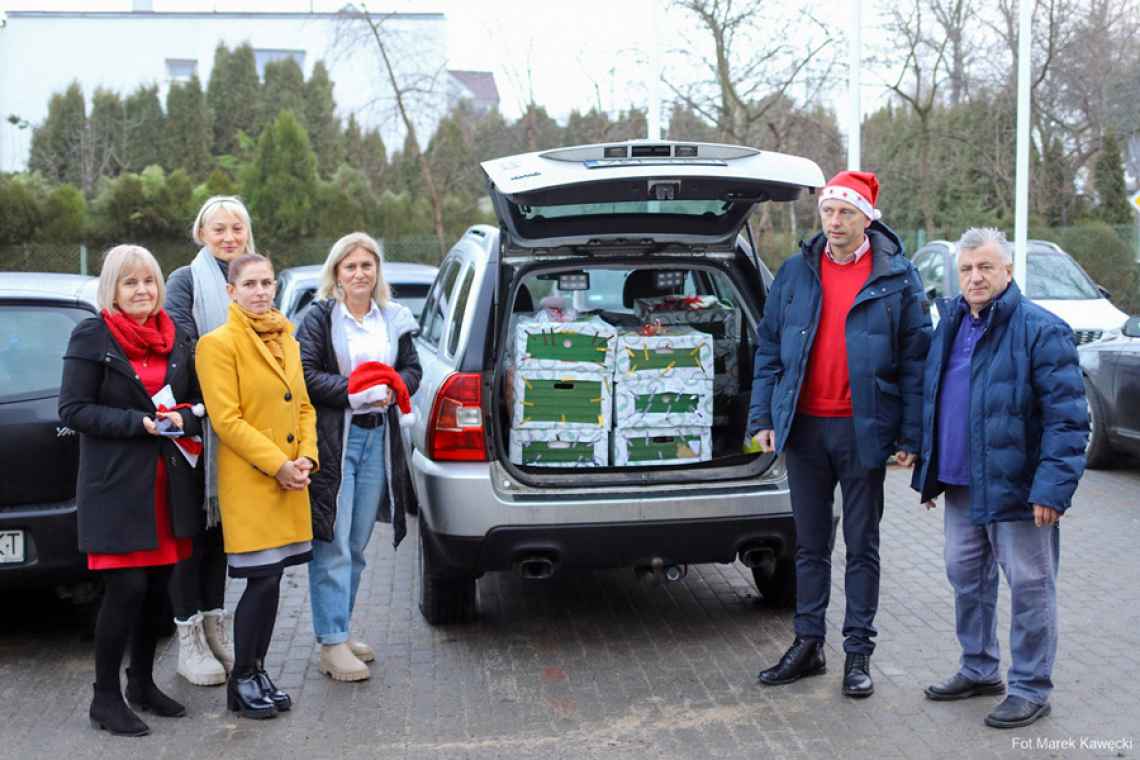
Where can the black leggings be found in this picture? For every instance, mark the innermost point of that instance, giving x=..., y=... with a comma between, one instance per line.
x=199, y=581
x=132, y=610
x=253, y=622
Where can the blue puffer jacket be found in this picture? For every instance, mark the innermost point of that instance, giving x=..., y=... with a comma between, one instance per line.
x=887, y=331
x=1028, y=419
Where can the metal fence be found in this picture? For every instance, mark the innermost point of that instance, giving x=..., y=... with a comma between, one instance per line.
x=85, y=259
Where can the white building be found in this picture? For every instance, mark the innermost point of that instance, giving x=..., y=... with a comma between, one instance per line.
x=42, y=52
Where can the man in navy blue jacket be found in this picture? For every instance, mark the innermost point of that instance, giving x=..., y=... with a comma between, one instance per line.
x=1004, y=431
x=837, y=387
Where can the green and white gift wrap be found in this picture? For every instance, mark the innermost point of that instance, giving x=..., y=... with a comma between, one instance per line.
x=705, y=313
x=545, y=398
x=560, y=448
x=676, y=352
x=663, y=402
x=583, y=345
x=644, y=447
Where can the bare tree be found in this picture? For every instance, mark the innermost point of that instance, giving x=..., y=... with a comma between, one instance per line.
x=361, y=26
x=758, y=54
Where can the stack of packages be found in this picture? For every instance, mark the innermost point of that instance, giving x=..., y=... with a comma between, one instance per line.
x=560, y=392
x=715, y=318
x=663, y=396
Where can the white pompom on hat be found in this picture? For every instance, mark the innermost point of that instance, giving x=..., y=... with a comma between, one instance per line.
x=860, y=189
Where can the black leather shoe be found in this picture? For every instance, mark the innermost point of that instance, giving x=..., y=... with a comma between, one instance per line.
x=857, y=676
x=143, y=695
x=280, y=699
x=960, y=687
x=1016, y=712
x=244, y=695
x=110, y=713
x=804, y=658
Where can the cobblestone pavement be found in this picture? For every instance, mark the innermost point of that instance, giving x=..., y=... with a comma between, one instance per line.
x=600, y=666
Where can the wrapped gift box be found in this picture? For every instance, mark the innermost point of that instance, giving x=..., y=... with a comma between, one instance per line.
x=705, y=313
x=643, y=447
x=584, y=345
x=677, y=352
x=560, y=448
x=543, y=398
x=663, y=402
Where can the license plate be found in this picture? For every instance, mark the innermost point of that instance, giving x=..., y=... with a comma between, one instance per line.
x=11, y=546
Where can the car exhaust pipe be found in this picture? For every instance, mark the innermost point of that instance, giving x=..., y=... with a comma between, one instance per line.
x=536, y=568
x=759, y=558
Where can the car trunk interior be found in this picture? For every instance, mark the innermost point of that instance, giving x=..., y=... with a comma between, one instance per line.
x=619, y=369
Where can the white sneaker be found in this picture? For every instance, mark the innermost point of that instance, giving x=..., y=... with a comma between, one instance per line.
x=218, y=637
x=196, y=663
x=362, y=651
x=339, y=663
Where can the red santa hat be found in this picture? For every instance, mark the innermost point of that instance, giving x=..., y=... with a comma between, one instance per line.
x=369, y=384
x=860, y=189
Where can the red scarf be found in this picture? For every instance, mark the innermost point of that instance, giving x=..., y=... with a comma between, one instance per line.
x=155, y=336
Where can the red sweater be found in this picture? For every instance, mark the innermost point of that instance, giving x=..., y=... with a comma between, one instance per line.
x=826, y=390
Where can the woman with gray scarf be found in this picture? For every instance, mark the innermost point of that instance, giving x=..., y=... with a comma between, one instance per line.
x=197, y=301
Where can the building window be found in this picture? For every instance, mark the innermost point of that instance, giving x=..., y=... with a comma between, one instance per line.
x=181, y=69
x=265, y=56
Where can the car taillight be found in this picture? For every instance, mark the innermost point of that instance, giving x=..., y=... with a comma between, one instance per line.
x=455, y=431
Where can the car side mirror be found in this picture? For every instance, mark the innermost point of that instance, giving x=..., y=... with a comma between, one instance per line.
x=1105, y=292
x=1131, y=327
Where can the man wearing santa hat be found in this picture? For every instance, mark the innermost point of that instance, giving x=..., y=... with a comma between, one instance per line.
x=838, y=390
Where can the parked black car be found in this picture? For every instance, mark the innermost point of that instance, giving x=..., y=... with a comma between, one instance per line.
x=1111, y=368
x=40, y=456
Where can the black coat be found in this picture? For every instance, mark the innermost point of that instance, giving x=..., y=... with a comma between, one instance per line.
x=102, y=399
x=179, y=303
x=328, y=391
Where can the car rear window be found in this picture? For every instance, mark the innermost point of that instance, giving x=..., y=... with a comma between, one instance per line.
x=32, y=342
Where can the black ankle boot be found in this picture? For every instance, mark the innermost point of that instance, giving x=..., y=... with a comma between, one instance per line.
x=857, y=676
x=143, y=695
x=244, y=695
x=110, y=713
x=280, y=699
x=803, y=658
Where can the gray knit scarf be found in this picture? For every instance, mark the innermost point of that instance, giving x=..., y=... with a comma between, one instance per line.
x=211, y=309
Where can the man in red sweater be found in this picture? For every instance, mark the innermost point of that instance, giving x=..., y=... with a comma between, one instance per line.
x=837, y=388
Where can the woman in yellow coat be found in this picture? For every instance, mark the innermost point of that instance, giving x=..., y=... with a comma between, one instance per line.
x=254, y=389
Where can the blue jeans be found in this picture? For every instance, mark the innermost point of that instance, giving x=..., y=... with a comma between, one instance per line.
x=820, y=452
x=334, y=573
x=1028, y=556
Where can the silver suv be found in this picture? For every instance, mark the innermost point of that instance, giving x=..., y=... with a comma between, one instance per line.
x=596, y=229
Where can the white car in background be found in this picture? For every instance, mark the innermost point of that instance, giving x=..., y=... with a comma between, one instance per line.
x=1055, y=282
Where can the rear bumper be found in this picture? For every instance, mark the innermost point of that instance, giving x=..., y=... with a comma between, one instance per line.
x=480, y=519
x=608, y=545
x=51, y=553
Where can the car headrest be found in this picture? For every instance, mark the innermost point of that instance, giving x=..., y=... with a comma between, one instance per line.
x=641, y=284
x=524, y=301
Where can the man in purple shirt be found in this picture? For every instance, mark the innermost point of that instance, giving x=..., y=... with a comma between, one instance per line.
x=1005, y=425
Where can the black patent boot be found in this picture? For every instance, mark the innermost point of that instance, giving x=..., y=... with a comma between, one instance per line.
x=110, y=713
x=280, y=699
x=244, y=695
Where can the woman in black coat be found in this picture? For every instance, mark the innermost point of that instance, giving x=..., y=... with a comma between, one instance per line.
x=354, y=327
x=129, y=390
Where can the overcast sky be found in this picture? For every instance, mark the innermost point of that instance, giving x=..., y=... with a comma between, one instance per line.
x=570, y=53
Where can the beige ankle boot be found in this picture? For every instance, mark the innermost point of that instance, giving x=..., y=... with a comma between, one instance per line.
x=338, y=662
x=362, y=651
x=218, y=637
x=196, y=663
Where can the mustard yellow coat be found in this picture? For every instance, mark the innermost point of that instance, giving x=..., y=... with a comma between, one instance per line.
x=262, y=416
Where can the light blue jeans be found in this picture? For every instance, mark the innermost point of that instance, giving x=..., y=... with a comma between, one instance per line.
x=334, y=573
x=1028, y=556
